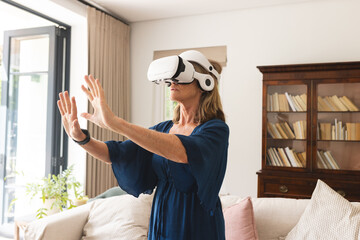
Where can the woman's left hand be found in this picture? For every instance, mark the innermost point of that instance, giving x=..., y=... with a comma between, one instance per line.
x=102, y=116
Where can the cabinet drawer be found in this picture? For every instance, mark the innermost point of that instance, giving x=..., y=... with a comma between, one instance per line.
x=288, y=188
x=349, y=190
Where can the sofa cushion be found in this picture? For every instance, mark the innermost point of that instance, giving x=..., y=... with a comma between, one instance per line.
x=240, y=222
x=275, y=217
x=327, y=216
x=119, y=217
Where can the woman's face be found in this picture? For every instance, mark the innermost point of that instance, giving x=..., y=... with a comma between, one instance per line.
x=184, y=92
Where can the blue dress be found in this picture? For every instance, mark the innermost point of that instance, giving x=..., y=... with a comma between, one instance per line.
x=186, y=205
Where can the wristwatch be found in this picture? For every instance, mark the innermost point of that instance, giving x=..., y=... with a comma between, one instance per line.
x=87, y=138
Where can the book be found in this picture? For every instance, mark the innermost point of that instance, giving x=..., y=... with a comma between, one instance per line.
x=284, y=158
x=338, y=103
x=320, y=161
x=290, y=155
x=290, y=132
x=350, y=103
x=296, y=104
x=331, y=160
x=357, y=131
x=336, y=130
x=281, y=131
x=332, y=104
x=270, y=130
x=302, y=158
x=275, y=131
x=288, y=97
x=322, y=106
x=283, y=103
x=328, y=105
x=300, y=129
x=297, y=160
x=303, y=127
x=304, y=98
x=326, y=162
x=271, y=157
x=276, y=102
x=325, y=131
x=278, y=159
x=301, y=102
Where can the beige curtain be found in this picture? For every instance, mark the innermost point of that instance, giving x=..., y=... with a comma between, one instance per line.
x=108, y=42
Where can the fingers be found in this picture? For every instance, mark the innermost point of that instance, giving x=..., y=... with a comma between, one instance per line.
x=67, y=102
x=62, y=112
x=87, y=92
x=73, y=108
x=95, y=87
x=63, y=102
x=93, y=81
x=87, y=116
x=91, y=84
x=100, y=90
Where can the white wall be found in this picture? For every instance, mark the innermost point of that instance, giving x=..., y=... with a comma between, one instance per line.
x=317, y=31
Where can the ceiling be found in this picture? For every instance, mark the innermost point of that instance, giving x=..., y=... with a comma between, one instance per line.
x=146, y=10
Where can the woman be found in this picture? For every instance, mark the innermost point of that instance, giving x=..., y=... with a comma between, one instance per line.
x=185, y=159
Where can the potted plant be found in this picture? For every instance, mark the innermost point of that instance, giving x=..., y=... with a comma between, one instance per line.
x=54, y=192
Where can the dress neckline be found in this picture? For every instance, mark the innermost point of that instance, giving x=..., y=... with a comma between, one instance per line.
x=172, y=124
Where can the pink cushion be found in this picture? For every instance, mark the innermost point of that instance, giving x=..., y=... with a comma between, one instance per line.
x=240, y=222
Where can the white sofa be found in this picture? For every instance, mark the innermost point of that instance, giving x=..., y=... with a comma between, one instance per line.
x=127, y=217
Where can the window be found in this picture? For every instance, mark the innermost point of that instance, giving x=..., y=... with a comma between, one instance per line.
x=34, y=68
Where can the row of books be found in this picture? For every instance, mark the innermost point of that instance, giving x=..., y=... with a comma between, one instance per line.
x=336, y=104
x=326, y=160
x=286, y=102
x=282, y=130
x=339, y=131
x=285, y=157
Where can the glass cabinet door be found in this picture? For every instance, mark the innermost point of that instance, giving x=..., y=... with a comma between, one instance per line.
x=286, y=116
x=338, y=126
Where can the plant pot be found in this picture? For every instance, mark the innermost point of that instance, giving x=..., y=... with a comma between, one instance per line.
x=79, y=202
x=48, y=203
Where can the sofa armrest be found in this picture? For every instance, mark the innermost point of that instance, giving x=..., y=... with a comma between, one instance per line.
x=68, y=225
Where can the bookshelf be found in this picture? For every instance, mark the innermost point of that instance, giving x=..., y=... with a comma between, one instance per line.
x=311, y=129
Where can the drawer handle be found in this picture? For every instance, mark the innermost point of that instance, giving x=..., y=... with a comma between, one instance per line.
x=341, y=192
x=283, y=189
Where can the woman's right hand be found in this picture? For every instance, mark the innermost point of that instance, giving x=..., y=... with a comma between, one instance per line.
x=68, y=111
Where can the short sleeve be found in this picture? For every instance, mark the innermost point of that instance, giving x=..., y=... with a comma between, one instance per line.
x=132, y=166
x=207, y=157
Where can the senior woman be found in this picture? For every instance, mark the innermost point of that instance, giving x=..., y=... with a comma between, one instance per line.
x=185, y=159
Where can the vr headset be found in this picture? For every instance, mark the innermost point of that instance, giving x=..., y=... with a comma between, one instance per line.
x=179, y=70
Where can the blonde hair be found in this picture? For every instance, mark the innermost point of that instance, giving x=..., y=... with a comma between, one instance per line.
x=210, y=106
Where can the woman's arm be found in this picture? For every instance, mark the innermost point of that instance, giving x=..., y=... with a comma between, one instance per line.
x=68, y=111
x=166, y=145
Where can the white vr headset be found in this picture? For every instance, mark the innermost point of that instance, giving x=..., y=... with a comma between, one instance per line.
x=178, y=69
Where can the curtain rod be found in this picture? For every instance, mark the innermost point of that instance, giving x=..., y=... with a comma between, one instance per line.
x=103, y=11
x=15, y=4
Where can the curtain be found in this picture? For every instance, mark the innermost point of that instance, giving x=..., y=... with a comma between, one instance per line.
x=108, y=55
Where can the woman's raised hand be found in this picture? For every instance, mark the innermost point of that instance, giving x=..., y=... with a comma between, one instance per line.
x=69, y=118
x=102, y=116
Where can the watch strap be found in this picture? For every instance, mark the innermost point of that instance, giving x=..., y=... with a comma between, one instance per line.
x=87, y=138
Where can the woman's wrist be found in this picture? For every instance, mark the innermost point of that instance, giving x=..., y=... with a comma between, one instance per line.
x=83, y=139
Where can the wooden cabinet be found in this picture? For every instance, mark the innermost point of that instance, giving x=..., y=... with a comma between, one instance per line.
x=311, y=129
